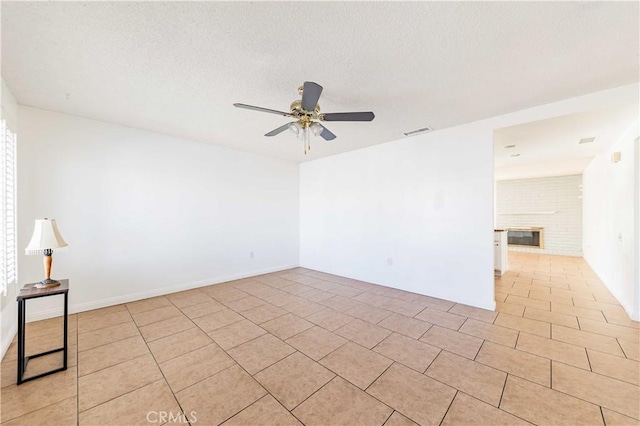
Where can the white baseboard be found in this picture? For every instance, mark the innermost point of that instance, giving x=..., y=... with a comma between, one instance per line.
x=6, y=340
x=87, y=306
x=633, y=314
x=630, y=310
x=489, y=305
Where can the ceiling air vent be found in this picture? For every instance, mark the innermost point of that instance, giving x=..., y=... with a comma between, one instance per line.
x=586, y=140
x=417, y=131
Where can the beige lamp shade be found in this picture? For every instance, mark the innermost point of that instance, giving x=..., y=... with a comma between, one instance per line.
x=45, y=237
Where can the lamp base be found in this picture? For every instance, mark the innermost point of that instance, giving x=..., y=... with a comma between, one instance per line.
x=47, y=283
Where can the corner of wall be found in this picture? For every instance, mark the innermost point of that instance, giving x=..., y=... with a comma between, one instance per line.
x=611, y=221
x=7, y=338
x=8, y=321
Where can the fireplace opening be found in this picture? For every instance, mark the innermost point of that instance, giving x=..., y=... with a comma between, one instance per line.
x=525, y=237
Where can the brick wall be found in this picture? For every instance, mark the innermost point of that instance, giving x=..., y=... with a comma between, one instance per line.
x=530, y=202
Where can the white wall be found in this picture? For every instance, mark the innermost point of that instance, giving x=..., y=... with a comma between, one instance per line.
x=8, y=314
x=145, y=213
x=426, y=202
x=611, y=213
x=538, y=198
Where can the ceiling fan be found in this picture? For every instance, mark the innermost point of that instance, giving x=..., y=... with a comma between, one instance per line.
x=307, y=113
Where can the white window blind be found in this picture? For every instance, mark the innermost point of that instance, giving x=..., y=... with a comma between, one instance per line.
x=8, y=249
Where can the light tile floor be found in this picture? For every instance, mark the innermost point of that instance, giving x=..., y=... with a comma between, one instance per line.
x=302, y=346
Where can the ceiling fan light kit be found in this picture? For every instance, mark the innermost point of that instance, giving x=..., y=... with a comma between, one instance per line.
x=307, y=113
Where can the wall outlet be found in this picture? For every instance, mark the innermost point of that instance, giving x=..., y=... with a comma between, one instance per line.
x=251, y=255
x=390, y=261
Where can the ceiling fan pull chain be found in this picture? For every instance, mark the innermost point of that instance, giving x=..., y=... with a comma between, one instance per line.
x=307, y=139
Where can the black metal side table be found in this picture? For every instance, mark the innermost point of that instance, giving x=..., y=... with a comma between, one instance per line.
x=30, y=292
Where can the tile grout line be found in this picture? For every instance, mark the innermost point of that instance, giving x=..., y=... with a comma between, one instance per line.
x=479, y=349
x=157, y=321
x=586, y=400
x=116, y=397
x=498, y=408
x=394, y=298
x=352, y=384
x=425, y=332
x=158, y=365
x=260, y=399
x=380, y=375
x=588, y=360
x=315, y=392
x=559, y=341
x=432, y=361
x=168, y=335
x=449, y=407
x=504, y=386
x=111, y=343
x=387, y=419
x=602, y=414
x=252, y=378
x=205, y=378
x=164, y=378
x=108, y=326
x=284, y=341
x=447, y=384
x=53, y=403
x=622, y=349
x=272, y=364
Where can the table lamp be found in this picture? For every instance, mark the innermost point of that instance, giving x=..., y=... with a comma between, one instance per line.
x=45, y=240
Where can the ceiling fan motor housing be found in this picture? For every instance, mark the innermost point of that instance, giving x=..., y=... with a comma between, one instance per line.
x=297, y=107
x=305, y=117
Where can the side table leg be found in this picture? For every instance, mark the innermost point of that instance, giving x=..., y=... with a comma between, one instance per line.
x=21, y=333
x=66, y=329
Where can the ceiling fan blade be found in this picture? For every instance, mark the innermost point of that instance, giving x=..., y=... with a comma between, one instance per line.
x=326, y=134
x=310, y=95
x=279, y=129
x=260, y=109
x=348, y=116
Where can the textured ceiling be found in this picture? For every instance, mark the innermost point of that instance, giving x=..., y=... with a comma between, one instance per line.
x=177, y=67
x=550, y=147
